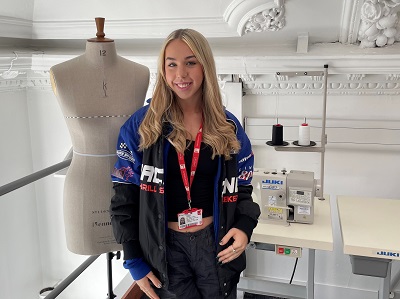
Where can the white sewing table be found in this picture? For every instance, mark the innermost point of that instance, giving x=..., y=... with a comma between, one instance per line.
x=370, y=226
x=316, y=236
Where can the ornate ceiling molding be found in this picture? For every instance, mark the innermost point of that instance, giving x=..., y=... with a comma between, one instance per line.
x=379, y=23
x=352, y=84
x=255, y=84
x=26, y=81
x=12, y=85
x=15, y=27
x=357, y=71
x=372, y=23
x=255, y=15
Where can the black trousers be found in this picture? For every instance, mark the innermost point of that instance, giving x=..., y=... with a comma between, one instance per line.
x=192, y=266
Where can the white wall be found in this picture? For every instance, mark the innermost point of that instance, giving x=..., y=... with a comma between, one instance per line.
x=21, y=9
x=20, y=271
x=124, y=10
x=350, y=169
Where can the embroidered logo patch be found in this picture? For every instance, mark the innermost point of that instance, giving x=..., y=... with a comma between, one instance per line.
x=123, y=173
x=125, y=155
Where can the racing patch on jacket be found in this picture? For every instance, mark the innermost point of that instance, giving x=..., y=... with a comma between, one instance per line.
x=124, y=153
x=229, y=198
x=246, y=158
x=229, y=190
x=152, y=179
x=123, y=173
x=246, y=175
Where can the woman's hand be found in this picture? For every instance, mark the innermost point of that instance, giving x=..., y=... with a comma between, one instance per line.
x=239, y=245
x=145, y=286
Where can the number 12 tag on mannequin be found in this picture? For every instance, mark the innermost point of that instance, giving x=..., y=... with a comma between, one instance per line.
x=192, y=216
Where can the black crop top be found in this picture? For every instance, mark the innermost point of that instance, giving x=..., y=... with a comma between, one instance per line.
x=202, y=189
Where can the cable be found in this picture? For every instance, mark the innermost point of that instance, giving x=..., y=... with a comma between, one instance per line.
x=294, y=270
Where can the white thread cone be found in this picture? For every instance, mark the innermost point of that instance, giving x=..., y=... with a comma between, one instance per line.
x=304, y=134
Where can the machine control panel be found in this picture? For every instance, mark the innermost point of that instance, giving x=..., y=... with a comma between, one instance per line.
x=300, y=196
x=286, y=196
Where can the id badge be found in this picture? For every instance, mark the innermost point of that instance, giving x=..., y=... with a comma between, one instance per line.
x=190, y=218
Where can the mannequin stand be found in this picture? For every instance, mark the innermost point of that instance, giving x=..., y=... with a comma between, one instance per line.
x=110, y=256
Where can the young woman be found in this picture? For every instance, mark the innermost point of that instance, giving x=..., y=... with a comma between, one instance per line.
x=182, y=207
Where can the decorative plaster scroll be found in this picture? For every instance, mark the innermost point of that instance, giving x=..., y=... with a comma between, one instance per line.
x=379, y=23
x=272, y=19
x=255, y=15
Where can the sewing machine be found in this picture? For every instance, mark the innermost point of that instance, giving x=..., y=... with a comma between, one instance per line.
x=285, y=197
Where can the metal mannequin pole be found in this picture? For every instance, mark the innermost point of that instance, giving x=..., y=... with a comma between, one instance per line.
x=110, y=256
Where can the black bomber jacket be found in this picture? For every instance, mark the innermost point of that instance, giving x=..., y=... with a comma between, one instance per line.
x=137, y=209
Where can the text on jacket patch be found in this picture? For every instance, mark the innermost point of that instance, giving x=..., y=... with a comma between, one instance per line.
x=153, y=174
x=229, y=187
x=154, y=177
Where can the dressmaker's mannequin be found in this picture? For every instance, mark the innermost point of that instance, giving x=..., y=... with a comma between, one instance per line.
x=97, y=92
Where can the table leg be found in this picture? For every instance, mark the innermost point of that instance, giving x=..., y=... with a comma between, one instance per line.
x=384, y=288
x=310, y=276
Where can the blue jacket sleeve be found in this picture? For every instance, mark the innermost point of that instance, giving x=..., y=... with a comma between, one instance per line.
x=137, y=267
x=129, y=161
x=124, y=207
x=247, y=211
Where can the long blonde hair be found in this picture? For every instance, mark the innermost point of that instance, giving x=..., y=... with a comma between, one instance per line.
x=164, y=108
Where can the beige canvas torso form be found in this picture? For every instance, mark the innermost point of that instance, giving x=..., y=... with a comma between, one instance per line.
x=97, y=92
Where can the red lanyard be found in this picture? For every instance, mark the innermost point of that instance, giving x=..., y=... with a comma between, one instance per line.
x=195, y=160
